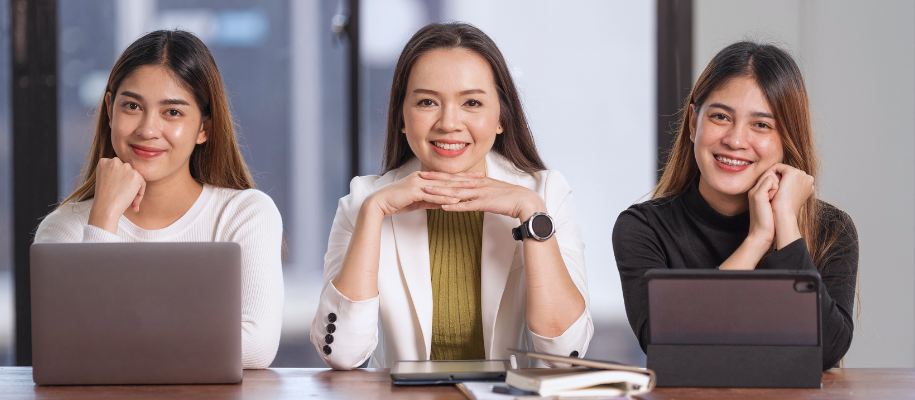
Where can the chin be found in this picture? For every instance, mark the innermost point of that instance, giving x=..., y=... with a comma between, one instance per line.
x=730, y=187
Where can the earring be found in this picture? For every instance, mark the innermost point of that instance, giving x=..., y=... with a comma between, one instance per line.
x=499, y=130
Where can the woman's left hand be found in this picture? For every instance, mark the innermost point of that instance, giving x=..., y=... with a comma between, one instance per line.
x=794, y=188
x=489, y=195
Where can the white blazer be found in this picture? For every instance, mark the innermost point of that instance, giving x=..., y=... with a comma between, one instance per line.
x=397, y=324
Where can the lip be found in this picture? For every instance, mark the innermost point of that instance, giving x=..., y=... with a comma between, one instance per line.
x=731, y=168
x=449, y=153
x=146, y=151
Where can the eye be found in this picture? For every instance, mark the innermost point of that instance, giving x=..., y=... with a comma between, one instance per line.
x=762, y=125
x=719, y=117
x=473, y=103
x=131, y=105
x=426, y=103
x=173, y=112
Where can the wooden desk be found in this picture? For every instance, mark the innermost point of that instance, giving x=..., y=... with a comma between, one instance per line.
x=289, y=383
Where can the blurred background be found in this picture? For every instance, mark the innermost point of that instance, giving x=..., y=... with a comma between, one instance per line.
x=601, y=82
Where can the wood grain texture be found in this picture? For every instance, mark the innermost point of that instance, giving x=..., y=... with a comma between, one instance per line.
x=375, y=384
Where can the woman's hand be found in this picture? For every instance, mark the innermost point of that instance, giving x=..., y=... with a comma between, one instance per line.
x=795, y=187
x=762, y=219
x=487, y=194
x=117, y=187
x=762, y=225
x=408, y=194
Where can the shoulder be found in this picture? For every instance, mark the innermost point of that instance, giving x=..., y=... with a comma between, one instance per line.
x=831, y=220
x=64, y=223
x=641, y=215
x=246, y=204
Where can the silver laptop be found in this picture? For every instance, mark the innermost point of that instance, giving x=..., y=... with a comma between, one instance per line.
x=136, y=313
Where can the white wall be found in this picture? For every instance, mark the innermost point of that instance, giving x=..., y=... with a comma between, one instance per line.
x=586, y=71
x=858, y=60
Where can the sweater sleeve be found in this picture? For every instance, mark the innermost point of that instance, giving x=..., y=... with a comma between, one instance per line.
x=344, y=332
x=68, y=224
x=837, y=287
x=574, y=341
x=637, y=250
x=255, y=224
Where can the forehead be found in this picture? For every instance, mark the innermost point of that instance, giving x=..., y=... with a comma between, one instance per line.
x=446, y=70
x=743, y=94
x=155, y=82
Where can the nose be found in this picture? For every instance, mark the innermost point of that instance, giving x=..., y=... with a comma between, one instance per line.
x=450, y=119
x=737, y=137
x=150, y=126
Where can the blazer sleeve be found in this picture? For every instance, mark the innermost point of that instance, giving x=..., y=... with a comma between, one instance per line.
x=344, y=332
x=559, y=202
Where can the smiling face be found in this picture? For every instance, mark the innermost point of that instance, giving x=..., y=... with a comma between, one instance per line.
x=735, y=138
x=155, y=124
x=451, y=110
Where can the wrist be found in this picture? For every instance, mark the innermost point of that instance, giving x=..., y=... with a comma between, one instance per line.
x=758, y=243
x=531, y=206
x=371, y=209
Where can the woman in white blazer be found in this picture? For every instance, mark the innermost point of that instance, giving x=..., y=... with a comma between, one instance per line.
x=457, y=141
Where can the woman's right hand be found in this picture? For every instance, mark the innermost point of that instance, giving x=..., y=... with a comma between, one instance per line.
x=408, y=195
x=117, y=187
x=762, y=219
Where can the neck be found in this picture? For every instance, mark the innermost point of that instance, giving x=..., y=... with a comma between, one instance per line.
x=165, y=201
x=727, y=204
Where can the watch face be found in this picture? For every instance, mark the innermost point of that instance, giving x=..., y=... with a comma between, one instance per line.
x=542, y=225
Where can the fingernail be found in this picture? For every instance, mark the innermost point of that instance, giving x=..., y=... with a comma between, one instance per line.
x=444, y=206
x=428, y=187
x=425, y=173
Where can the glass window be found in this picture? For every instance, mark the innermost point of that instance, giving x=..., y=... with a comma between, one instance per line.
x=7, y=303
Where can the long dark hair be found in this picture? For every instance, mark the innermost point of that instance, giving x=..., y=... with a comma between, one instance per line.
x=516, y=143
x=217, y=161
x=780, y=80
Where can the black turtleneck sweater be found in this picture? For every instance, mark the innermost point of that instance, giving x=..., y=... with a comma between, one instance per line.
x=684, y=231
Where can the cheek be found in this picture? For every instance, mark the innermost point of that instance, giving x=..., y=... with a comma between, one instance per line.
x=770, y=150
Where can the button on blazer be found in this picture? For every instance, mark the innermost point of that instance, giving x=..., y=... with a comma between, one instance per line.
x=397, y=324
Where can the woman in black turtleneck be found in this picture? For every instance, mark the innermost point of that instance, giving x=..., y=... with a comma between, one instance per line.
x=738, y=193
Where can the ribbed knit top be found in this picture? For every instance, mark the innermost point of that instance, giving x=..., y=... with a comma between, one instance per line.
x=247, y=217
x=455, y=253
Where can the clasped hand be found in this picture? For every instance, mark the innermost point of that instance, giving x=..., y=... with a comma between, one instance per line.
x=775, y=203
x=468, y=191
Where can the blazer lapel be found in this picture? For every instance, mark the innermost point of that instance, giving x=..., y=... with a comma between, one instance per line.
x=412, y=240
x=498, y=254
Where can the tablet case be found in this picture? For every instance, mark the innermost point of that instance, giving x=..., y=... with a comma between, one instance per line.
x=711, y=328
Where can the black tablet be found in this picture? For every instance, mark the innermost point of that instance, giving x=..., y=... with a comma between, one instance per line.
x=712, y=307
x=448, y=372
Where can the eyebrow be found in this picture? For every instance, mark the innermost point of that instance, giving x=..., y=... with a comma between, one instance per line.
x=178, y=102
x=462, y=93
x=755, y=114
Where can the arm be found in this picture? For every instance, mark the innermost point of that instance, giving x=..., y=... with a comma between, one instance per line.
x=68, y=224
x=350, y=289
x=255, y=224
x=565, y=268
x=637, y=250
x=837, y=289
x=555, y=291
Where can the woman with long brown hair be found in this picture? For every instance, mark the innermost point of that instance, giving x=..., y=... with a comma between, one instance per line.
x=428, y=248
x=738, y=193
x=165, y=167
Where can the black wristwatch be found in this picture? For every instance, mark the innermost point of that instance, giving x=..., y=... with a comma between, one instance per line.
x=539, y=226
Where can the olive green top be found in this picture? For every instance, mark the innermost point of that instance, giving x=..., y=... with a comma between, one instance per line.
x=455, y=251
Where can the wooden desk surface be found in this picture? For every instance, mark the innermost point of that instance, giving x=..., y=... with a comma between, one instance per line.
x=294, y=383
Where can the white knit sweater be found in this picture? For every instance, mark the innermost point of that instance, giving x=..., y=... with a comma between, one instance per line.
x=247, y=217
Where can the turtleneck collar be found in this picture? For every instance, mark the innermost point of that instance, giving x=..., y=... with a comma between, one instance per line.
x=698, y=207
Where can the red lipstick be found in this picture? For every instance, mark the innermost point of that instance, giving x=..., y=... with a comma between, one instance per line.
x=146, y=151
